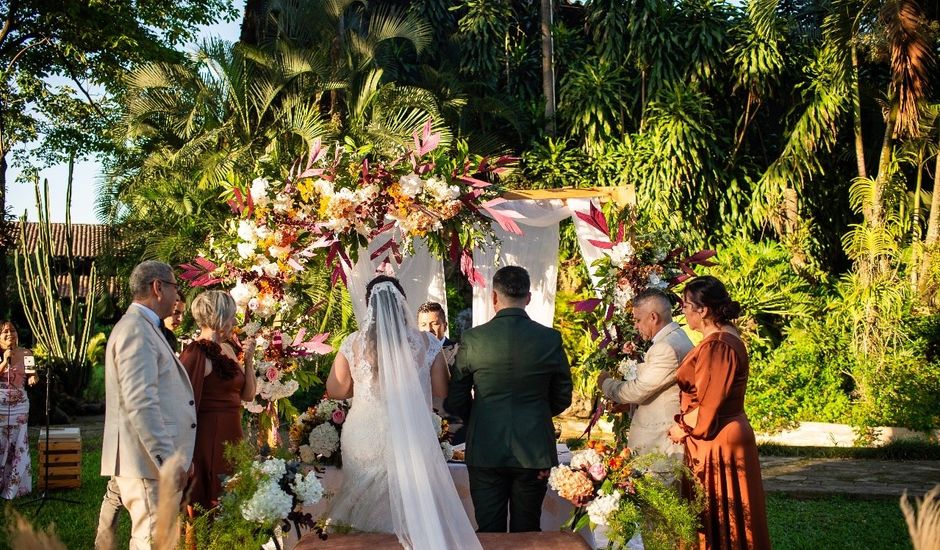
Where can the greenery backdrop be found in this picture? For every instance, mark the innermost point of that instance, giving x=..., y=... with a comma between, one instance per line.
x=798, y=138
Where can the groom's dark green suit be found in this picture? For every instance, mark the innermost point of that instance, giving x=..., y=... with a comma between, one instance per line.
x=521, y=379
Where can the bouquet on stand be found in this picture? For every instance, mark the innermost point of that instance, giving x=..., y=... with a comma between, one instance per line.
x=622, y=493
x=262, y=500
x=315, y=434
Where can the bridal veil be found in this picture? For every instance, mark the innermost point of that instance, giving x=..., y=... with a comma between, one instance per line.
x=426, y=511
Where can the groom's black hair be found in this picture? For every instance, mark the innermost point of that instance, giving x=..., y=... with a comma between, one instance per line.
x=382, y=279
x=512, y=281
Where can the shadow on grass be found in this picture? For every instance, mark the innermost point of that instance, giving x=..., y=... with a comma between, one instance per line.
x=75, y=524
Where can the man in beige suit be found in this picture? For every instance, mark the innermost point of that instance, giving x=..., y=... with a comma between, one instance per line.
x=654, y=390
x=150, y=413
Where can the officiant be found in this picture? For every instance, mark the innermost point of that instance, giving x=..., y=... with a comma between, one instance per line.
x=431, y=318
x=653, y=389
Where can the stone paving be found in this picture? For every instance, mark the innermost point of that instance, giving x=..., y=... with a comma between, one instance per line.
x=819, y=477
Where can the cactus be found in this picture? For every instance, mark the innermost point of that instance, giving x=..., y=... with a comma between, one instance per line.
x=61, y=327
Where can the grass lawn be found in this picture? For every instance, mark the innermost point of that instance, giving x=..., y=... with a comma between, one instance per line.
x=831, y=523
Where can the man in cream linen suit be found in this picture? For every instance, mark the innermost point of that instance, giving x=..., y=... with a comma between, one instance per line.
x=654, y=390
x=150, y=413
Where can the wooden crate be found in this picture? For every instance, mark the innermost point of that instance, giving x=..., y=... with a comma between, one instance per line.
x=64, y=457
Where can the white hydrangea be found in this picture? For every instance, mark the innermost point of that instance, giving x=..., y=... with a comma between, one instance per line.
x=307, y=488
x=601, y=508
x=270, y=269
x=252, y=406
x=273, y=468
x=656, y=282
x=448, y=450
x=259, y=192
x=411, y=184
x=621, y=253
x=252, y=328
x=323, y=187
x=440, y=191
x=584, y=459
x=324, y=439
x=325, y=409
x=263, y=232
x=627, y=369
x=246, y=231
x=269, y=503
x=245, y=250
x=283, y=202
x=622, y=296
x=243, y=293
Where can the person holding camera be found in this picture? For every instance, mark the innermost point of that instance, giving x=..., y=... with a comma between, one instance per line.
x=15, y=474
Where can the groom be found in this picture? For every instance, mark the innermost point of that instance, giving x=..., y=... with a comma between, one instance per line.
x=520, y=378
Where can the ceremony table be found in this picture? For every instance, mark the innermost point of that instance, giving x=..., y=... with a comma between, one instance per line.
x=556, y=511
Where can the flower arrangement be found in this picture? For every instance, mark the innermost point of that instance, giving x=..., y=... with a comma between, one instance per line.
x=614, y=489
x=264, y=498
x=315, y=434
x=321, y=211
x=443, y=435
x=633, y=262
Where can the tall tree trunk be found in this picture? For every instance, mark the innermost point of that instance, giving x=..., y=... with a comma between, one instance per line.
x=6, y=242
x=933, y=222
x=253, y=21
x=875, y=214
x=857, y=114
x=930, y=249
x=548, y=67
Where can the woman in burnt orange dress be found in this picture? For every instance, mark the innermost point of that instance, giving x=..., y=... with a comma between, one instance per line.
x=719, y=443
x=220, y=384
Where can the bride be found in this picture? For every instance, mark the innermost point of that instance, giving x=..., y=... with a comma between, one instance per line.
x=395, y=479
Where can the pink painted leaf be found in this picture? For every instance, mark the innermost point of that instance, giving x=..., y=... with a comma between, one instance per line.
x=474, y=182
x=586, y=305
x=316, y=345
x=595, y=218
x=380, y=250
x=199, y=273
x=607, y=245
x=503, y=217
x=466, y=266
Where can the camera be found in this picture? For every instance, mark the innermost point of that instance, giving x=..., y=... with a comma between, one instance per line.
x=30, y=363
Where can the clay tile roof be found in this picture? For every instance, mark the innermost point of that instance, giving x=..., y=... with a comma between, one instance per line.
x=87, y=239
x=111, y=285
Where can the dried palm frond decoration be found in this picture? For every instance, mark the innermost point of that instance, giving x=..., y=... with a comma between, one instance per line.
x=923, y=519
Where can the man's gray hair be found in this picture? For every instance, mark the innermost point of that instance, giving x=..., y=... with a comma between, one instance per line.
x=145, y=274
x=212, y=309
x=657, y=301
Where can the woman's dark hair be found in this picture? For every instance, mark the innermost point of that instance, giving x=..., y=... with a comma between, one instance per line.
x=4, y=323
x=383, y=279
x=709, y=292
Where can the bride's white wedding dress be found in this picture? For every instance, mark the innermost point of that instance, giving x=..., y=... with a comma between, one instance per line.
x=395, y=478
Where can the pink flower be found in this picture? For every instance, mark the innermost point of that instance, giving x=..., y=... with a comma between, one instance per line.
x=339, y=417
x=597, y=471
x=272, y=374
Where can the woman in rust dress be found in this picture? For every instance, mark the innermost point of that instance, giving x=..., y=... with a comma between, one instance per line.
x=719, y=443
x=220, y=384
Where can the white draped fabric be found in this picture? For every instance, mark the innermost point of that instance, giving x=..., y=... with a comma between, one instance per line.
x=421, y=275
x=536, y=250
